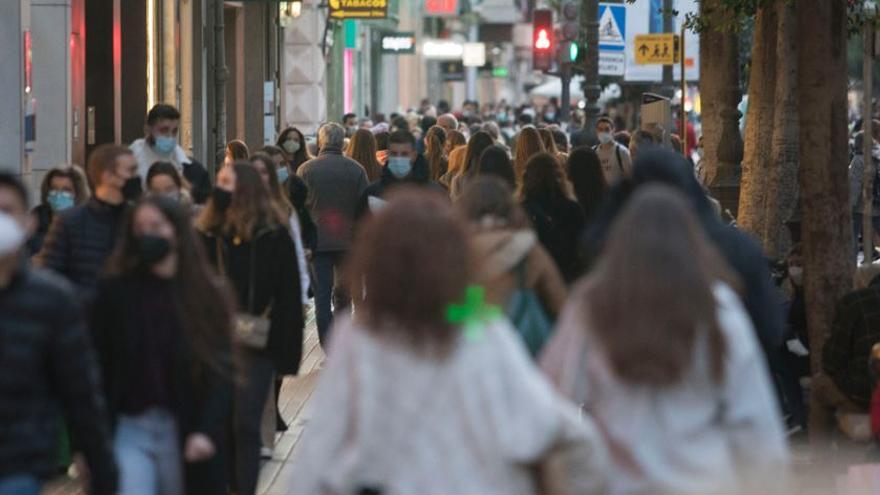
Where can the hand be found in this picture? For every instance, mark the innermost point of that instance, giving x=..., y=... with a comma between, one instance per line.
x=82, y=469
x=382, y=157
x=198, y=448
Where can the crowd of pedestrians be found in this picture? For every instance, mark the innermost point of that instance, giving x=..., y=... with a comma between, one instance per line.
x=503, y=309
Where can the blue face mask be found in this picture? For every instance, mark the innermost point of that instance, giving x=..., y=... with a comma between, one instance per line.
x=283, y=174
x=165, y=145
x=399, y=166
x=60, y=200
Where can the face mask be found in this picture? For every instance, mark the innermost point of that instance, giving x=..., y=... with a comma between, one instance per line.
x=283, y=174
x=605, y=137
x=12, y=235
x=165, y=145
x=221, y=198
x=399, y=166
x=173, y=196
x=549, y=116
x=352, y=129
x=796, y=274
x=60, y=200
x=291, y=146
x=152, y=249
x=131, y=191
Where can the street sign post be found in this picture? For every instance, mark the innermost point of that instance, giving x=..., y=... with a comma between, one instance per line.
x=358, y=9
x=657, y=49
x=612, y=39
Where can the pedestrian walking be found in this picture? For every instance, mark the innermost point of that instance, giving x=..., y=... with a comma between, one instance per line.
x=657, y=347
x=615, y=159
x=161, y=326
x=164, y=180
x=362, y=149
x=236, y=151
x=62, y=189
x=471, y=167
x=641, y=141
x=159, y=144
x=856, y=199
x=495, y=161
x=454, y=139
x=48, y=367
x=403, y=383
x=292, y=141
x=549, y=143
x=454, y=165
x=528, y=144
x=81, y=238
x=435, y=152
x=558, y=219
x=585, y=174
x=247, y=239
x=336, y=185
x=295, y=190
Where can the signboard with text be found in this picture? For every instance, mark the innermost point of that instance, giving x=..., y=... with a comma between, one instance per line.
x=441, y=7
x=398, y=43
x=358, y=9
x=659, y=49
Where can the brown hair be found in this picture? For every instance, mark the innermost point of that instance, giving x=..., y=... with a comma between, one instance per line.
x=408, y=280
x=456, y=160
x=435, y=153
x=80, y=190
x=454, y=139
x=528, y=142
x=251, y=207
x=275, y=189
x=362, y=149
x=543, y=178
x=489, y=196
x=104, y=158
x=475, y=148
x=651, y=293
x=548, y=141
x=237, y=150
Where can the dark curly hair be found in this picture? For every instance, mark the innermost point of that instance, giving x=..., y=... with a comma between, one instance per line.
x=411, y=260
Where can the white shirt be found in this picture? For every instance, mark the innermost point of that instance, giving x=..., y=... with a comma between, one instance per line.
x=146, y=156
x=611, y=167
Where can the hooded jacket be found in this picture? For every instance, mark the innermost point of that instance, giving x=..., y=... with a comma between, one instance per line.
x=499, y=252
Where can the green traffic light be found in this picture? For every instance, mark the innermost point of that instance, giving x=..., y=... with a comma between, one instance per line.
x=573, y=52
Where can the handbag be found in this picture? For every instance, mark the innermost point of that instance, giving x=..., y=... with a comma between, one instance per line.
x=527, y=314
x=249, y=330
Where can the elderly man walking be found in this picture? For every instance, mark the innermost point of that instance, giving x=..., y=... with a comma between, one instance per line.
x=335, y=185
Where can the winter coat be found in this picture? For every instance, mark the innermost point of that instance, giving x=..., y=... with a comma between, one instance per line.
x=48, y=372
x=499, y=253
x=697, y=436
x=418, y=176
x=272, y=256
x=79, y=242
x=44, y=215
x=298, y=193
x=336, y=184
x=559, y=223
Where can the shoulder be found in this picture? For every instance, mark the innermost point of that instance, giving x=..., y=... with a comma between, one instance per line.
x=138, y=145
x=74, y=214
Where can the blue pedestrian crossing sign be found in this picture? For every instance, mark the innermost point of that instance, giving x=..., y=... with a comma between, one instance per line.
x=612, y=27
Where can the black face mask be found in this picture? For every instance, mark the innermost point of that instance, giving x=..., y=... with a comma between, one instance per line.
x=153, y=249
x=221, y=198
x=131, y=191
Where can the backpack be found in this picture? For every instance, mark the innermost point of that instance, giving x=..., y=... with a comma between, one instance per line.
x=525, y=311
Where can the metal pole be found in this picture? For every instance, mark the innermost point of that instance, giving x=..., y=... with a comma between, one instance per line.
x=682, y=113
x=565, y=79
x=589, y=19
x=471, y=72
x=668, y=27
x=221, y=74
x=868, y=143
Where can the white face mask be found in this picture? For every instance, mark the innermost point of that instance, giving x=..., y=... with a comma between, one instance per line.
x=12, y=235
x=605, y=137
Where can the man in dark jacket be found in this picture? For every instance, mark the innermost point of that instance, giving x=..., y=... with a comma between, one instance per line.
x=845, y=382
x=405, y=166
x=47, y=366
x=335, y=184
x=80, y=239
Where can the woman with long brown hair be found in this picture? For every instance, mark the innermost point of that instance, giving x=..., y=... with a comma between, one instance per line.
x=454, y=139
x=362, y=149
x=413, y=375
x=528, y=143
x=435, y=152
x=248, y=241
x=161, y=327
x=656, y=345
x=454, y=165
x=471, y=167
x=293, y=143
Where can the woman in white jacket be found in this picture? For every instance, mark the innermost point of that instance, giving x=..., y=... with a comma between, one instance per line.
x=657, y=347
x=416, y=398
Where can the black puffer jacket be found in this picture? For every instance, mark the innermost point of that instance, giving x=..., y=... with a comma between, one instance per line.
x=79, y=242
x=46, y=367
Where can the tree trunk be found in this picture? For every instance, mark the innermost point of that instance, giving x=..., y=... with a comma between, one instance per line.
x=782, y=181
x=759, y=123
x=721, y=94
x=827, y=222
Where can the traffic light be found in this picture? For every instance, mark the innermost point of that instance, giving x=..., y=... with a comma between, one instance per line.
x=570, y=28
x=542, y=39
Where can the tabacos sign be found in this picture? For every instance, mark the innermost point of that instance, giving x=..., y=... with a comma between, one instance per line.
x=398, y=43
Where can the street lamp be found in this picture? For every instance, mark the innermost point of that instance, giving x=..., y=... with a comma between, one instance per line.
x=288, y=11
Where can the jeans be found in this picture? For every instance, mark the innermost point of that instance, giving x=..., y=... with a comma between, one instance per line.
x=250, y=399
x=20, y=484
x=329, y=285
x=147, y=449
x=857, y=229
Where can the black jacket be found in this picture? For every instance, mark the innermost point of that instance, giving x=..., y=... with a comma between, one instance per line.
x=47, y=368
x=559, y=223
x=199, y=180
x=275, y=274
x=298, y=192
x=44, y=215
x=79, y=242
x=420, y=175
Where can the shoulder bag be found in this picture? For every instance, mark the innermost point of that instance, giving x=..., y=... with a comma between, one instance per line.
x=249, y=330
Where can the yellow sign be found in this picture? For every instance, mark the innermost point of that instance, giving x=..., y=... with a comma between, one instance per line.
x=358, y=9
x=656, y=49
